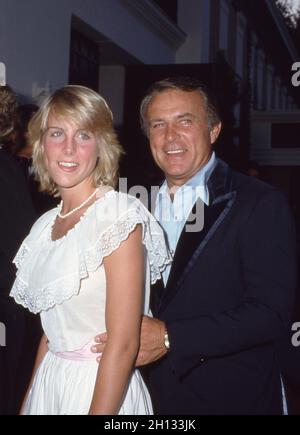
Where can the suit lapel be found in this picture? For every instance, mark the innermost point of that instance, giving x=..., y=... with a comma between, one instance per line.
x=191, y=244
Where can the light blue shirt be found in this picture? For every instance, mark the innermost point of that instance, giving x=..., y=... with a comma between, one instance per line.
x=172, y=215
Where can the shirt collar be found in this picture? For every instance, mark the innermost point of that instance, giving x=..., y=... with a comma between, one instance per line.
x=198, y=181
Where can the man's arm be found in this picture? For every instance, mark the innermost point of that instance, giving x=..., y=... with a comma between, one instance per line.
x=152, y=342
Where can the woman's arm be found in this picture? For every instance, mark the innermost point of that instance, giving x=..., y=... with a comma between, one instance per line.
x=41, y=352
x=124, y=270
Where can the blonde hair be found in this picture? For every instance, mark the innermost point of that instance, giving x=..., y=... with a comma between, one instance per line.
x=90, y=111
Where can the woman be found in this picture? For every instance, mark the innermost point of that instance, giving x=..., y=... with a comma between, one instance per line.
x=82, y=267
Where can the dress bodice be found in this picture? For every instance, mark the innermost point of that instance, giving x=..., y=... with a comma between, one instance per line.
x=64, y=280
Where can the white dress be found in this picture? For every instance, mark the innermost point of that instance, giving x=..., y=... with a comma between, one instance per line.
x=64, y=281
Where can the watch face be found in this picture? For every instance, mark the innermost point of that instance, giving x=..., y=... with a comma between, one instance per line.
x=167, y=343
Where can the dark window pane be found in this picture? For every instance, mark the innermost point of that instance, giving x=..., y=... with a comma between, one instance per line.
x=84, y=61
x=286, y=135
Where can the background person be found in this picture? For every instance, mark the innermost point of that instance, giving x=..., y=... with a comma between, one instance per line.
x=16, y=217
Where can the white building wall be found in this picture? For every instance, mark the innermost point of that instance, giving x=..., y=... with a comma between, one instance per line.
x=34, y=43
x=35, y=37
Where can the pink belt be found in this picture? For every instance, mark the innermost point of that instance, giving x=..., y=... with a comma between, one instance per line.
x=83, y=354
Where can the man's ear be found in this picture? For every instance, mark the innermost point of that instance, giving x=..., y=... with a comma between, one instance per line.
x=214, y=132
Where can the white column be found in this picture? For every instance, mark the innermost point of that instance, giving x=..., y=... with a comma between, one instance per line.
x=224, y=26
x=194, y=20
x=205, y=7
x=240, y=45
x=253, y=70
x=277, y=93
x=269, y=88
x=260, y=79
x=284, y=98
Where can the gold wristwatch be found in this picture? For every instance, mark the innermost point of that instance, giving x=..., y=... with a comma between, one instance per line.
x=166, y=340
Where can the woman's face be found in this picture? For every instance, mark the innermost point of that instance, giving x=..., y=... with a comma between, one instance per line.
x=70, y=153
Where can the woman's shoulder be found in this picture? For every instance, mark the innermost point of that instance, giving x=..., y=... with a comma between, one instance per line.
x=113, y=205
x=110, y=222
x=113, y=196
x=45, y=218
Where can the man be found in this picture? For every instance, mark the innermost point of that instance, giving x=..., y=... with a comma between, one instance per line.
x=228, y=296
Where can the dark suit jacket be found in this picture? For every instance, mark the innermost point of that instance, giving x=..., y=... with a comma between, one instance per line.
x=16, y=216
x=228, y=300
x=22, y=331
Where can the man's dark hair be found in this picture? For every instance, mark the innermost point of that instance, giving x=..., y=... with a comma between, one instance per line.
x=187, y=84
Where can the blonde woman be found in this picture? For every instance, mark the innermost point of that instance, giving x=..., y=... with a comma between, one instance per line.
x=86, y=266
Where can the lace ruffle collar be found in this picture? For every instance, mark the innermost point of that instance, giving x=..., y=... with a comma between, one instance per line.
x=50, y=272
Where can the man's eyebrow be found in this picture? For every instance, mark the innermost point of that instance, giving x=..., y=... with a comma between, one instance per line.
x=182, y=115
x=151, y=121
x=187, y=114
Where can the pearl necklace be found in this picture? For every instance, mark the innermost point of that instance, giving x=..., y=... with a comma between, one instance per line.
x=76, y=208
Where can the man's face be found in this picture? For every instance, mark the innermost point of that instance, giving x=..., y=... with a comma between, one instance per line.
x=179, y=134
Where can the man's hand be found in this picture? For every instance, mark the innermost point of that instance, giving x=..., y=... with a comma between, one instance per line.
x=152, y=345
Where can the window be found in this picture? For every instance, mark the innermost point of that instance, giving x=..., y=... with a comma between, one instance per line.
x=285, y=135
x=84, y=61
